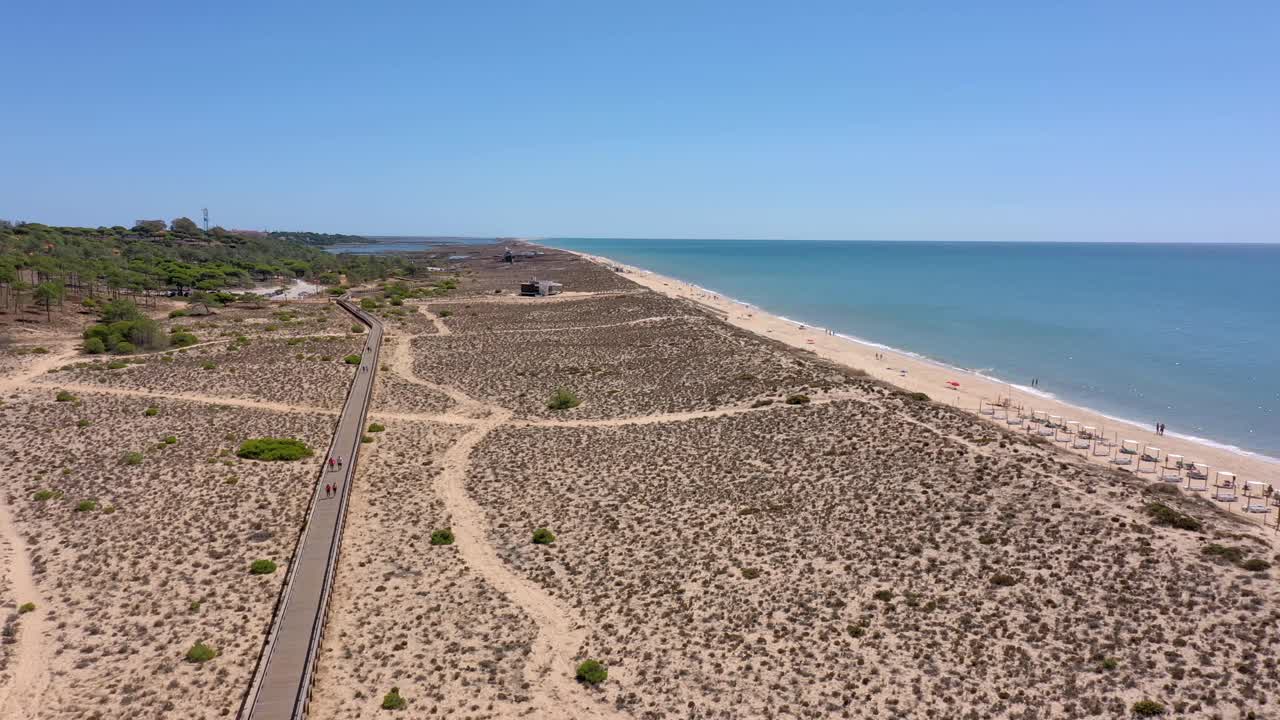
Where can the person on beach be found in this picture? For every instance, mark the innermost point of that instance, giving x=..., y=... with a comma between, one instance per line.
x=339, y=461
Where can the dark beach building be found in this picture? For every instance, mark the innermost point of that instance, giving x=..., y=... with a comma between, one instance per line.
x=540, y=288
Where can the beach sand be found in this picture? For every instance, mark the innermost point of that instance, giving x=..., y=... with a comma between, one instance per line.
x=931, y=378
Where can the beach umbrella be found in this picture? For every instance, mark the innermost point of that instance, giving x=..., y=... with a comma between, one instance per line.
x=953, y=383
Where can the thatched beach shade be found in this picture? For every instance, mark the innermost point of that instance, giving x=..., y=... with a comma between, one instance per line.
x=1197, y=476
x=1072, y=431
x=986, y=407
x=1016, y=419
x=1224, y=487
x=1000, y=412
x=1150, y=455
x=1042, y=418
x=1129, y=447
x=1172, y=470
x=1255, y=497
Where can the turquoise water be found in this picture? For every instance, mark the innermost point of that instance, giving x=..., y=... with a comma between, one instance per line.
x=1188, y=335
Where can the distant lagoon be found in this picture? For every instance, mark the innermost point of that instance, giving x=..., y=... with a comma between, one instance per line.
x=387, y=245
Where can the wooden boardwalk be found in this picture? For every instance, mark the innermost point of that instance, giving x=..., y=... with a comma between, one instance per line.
x=281, y=686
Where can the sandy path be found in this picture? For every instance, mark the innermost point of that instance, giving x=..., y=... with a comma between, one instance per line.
x=686, y=415
x=22, y=695
x=441, y=328
x=194, y=397
x=549, y=668
x=657, y=318
x=402, y=365
x=61, y=355
x=562, y=297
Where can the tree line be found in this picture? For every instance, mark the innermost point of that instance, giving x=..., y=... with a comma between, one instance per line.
x=45, y=265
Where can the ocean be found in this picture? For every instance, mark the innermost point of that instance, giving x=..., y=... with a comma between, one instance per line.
x=1187, y=335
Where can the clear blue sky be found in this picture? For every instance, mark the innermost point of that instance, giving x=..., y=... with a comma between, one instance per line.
x=1006, y=121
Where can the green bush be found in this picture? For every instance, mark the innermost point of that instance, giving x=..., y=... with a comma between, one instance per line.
x=563, y=400
x=366, y=438
x=177, y=313
x=86, y=506
x=64, y=396
x=351, y=359
x=1232, y=555
x=262, y=567
x=750, y=573
x=126, y=348
x=393, y=700
x=883, y=595
x=151, y=411
x=443, y=536
x=95, y=346
x=543, y=536
x=1108, y=663
x=183, y=339
x=131, y=458
x=591, y=672
x=201, y=653
x=1255, y=564
x=169, y=440
x=42, y=495
x=376, y=427
x=1003, y=580
x=25, y=608
x=1148, y=708
x=1164, y=515
x=797, y=399
x=117, y=365
x=357, y=328
x=83, y=423
x=208, y=365
x=368, y=304
x=269, y=448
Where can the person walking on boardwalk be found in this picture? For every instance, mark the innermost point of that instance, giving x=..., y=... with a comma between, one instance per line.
x=331, y=463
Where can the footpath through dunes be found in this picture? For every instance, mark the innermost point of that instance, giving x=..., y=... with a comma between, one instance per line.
x=282, y=684
x=24, y=658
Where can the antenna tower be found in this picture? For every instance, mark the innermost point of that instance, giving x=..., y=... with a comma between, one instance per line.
x=206, y=218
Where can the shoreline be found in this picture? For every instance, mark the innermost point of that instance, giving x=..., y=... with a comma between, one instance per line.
x=918, y=373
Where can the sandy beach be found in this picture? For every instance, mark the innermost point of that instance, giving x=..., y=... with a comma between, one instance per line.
x=916, y=374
